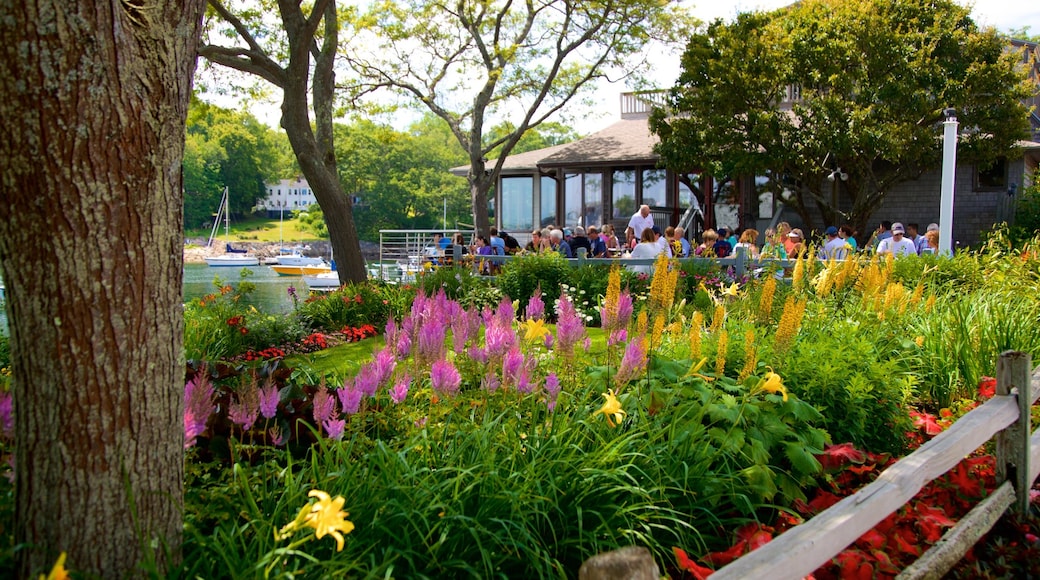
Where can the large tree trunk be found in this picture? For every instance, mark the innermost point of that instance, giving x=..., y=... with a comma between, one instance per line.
x=94, y=102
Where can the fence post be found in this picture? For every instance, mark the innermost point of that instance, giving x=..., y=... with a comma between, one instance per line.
x=1013, y=443
x=738, y=262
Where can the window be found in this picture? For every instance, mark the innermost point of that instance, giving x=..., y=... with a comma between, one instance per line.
x=517, y=204
x=623, y=193
x=655, y=192
x=992, y=178
x=548, y=212
x=593, y=199
x=583, y=199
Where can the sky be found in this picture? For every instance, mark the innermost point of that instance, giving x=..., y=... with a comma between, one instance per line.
x=1001, y=14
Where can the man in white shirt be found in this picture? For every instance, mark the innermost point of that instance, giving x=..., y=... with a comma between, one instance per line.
x=897, y=245
x=639, y=222
x=835, y=248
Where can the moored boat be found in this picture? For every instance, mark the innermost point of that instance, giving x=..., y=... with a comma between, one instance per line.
x=301, y=270
x=323, y=281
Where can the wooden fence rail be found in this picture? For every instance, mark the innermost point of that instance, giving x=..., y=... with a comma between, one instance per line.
x=801, y=550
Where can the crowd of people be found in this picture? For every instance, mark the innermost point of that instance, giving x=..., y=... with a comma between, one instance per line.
x=643, y=239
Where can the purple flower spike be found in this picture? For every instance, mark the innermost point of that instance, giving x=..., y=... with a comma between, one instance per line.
x=350, y=397
x=334, y=428
x=445, y=378
x=617, y=337
x=243, y=413
x=277, y=437
x=400, y=391
x=535, y=305
x=569, y=326
x=384, y=365
x=324, y=406
x=198, y=406
x=512, y=364
x=7, y=415
x=634, y=361
x=490, y=382
x=269, y=400
x=552, y=385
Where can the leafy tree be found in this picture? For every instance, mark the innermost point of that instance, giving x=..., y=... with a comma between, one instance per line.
x=471, y=61
x=297, y=56
x=90, y=245
x=874, y=80
x=226, y=148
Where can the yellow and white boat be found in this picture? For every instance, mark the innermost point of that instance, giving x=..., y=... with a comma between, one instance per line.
x=304, y=270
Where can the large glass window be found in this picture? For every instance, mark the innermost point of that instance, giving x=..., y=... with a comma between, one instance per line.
x=593, y=199
x=572, y=200
x=690, y=192
x=548, y=217
x=517, y=204
x=654, y=188
x=623, y=194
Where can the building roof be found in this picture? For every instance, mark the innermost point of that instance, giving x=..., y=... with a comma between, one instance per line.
x=626, y=141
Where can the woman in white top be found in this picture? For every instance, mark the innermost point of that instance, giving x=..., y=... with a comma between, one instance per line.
x=747, y=241
x=646, y=248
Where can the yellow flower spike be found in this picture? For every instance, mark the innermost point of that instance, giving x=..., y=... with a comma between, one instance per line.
x=328, y=518
x=774, y=384
x=58, y=572
x=611, y=408
x=535, y=330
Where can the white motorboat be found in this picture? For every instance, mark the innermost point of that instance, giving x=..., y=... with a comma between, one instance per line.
x=298, y=259
x=323, y=281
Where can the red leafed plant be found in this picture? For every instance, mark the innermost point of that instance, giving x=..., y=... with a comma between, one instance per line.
x=899, y=539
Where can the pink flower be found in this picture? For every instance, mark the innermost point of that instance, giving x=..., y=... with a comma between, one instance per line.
x=198, y=406
x=490, y=382
x=634, y=361
x=324, y=406
x=334, y=428
x=431, y=341
x=535, y=305
x=269, y=400
x=617, y=337
x=350, y=397
x=445, y=377
x=277, y=437
x=7, y=415
x=512, y=364
x=569, y=326
x=400, y=390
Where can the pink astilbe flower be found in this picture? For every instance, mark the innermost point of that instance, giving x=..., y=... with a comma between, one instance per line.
x=7, y=415
x=324, y=406
x=269, y=398
x=535, y=305
x=498, y=339
x=504, y=314
x=367, y=380
x=445, y=378
x=334, y=428
x=617, y=337
x=624, y=309
x=350, y=397
x=552, y=389
x=400, y=390
x=276, y=436
x=569, y=326
x=384, y=365
x=390, y=331
x=198, y=406
x=464, y=327
x=478, y=354
x=549, y=340
x=634, y=361
x=490, y=382
x=244, y=411
x=431, y=341
x=512, y=365
x=523, y=381
x=403, y=347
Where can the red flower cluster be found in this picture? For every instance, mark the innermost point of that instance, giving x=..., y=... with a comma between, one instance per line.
x=314, y=341
x=234, y=321
x=356, y=299
x=268, y=353
x=359, y=333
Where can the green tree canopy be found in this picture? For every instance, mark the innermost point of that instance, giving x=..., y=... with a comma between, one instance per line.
x=871, y=80
x=474, y=61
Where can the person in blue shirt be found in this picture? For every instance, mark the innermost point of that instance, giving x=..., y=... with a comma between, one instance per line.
x=498, y=245
x=559, y=244
x=442, y=241
x=599, y=247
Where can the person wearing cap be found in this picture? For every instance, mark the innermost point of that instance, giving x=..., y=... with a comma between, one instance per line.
x=897, y=245
x=722, y=246
x=580, y=240
x=661, y=241
x=922, y=241
x=835, y=248
x=797, y=243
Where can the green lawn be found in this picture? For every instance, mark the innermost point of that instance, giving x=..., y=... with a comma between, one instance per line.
x=260, y=229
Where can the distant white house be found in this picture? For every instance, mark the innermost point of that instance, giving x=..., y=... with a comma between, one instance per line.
x=285, y=196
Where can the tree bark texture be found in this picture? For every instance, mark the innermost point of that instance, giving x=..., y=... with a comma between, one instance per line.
x=94, y=103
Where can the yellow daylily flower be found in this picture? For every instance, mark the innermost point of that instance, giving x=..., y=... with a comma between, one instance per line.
x=58, y=572
x=535, y=329
x=774, y=384
x=326, y=516
x=732, y=290
x=611, y=408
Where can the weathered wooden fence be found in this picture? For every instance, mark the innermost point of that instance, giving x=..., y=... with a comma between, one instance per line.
x=801, y=550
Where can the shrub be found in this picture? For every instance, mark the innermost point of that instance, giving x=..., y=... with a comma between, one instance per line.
x=521, y=275
x=454, y=280
x=350, y=305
